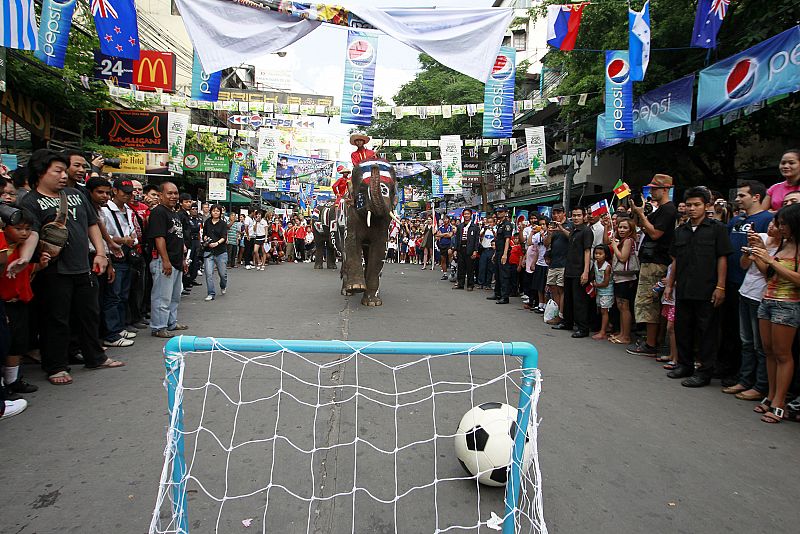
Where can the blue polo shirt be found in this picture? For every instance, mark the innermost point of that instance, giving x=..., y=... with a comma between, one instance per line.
x=737, y=230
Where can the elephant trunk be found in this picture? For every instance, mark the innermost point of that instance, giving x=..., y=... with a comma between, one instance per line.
x=377, y=202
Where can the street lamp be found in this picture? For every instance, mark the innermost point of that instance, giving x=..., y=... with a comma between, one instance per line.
x=572, y=161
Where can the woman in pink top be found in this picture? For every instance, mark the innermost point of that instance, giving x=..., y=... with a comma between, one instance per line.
x=790, y=170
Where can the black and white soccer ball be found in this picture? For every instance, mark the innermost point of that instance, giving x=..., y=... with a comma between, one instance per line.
x=485, y=440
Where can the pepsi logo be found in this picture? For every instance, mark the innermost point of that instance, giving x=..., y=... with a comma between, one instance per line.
x=618, y=71
x=361, y=53
x=742, y=78
x=503, y=68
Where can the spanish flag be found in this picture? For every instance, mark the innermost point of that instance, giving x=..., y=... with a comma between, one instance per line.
x=621, y=190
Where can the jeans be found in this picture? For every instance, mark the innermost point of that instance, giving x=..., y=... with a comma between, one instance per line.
x=221, y=261
x=485, y=267
x=165, y=297
x=233, y=252
x=115, y=301
x=753, y=371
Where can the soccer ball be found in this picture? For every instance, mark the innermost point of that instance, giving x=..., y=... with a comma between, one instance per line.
x=485, y=440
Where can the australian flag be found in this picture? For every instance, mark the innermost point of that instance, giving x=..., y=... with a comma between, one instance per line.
x=116, y=25
x=707, y=22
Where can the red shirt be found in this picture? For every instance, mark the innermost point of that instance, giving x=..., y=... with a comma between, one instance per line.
x=300, y=232
x=141, y=209
x=275, y=232
x=289, y=234
x=515, y=254
x=362, y=154
x=340, y=187
x=19, y=287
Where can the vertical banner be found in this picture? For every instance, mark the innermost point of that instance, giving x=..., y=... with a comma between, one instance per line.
x=177, y=126
x=537, y=155
x=217, y=189
x=498, y=97
x=236, y=175
x=359, y=78
x=54, y=29
x=205, y=86
x=619, y=95
x=2, y=69
x=269, y=143
x=450, y=147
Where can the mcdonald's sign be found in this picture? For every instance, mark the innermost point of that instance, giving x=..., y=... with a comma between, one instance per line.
x=154, y=70
x=140, y=130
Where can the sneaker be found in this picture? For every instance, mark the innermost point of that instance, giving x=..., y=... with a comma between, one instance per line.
x=200, y=273
x=13, y=408
x=224, y=290
x=209, y=298
x=642, y=349
x=248, y=267
x=20, y=386
x=127, y=335
x=121, y=342
x=444, y=277
x=179, y=326
x=162, y=333
x=185, y=293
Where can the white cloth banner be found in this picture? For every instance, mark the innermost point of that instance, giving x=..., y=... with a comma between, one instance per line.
x=464, y=39
x=452, y=176
x=178, y=125
x=267, y=155
x=537, y=155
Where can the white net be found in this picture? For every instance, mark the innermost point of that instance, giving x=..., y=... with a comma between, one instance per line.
x=289, y=442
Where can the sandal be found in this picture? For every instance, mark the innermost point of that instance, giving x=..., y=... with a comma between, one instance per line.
x=671, y=365
x=773, y=416
x=109, y=364
x=61, y=378
x=763, y=406
x=664, y=359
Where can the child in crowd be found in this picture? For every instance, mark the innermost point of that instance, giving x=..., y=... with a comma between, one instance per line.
x=668, y=312
x=412, y=249
x=604, y=285
x=391, y=250
x=514, y=259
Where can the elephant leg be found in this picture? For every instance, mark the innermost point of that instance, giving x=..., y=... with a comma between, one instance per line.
x=353, y=279
x=331, y=252
x=319, y=249
x=374, y=265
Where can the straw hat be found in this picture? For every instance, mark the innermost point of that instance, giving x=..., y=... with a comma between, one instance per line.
x=355, y=136
x=341, y=169
x=661, y=180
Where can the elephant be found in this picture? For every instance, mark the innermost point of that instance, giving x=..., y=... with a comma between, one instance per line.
x=326, y=235
x=369, y=211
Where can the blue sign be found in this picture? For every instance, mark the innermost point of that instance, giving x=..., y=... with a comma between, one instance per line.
x=619, y=95
x=205, y=86
x=498, y=97
x=117, y=69
x=359, y=78
x=10, y=161
x=54, y=29
x=770, y=68
x=236, y=175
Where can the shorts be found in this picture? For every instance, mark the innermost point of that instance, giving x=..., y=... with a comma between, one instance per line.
x=777, y=312
x=605, y=302
x=625, y=290
x=443, y=250
x=539, y=279
x=668, y=311
x=18, y=320
x=555, y=276
x=647, y=307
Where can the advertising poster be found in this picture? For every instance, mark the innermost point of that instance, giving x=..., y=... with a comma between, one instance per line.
x=54, y=27
x=450, y=148
x=359, y=78
x=217, y=189
x=537, y=155
x=206, y=162
x=498, y=97
x=178, y=125
x=304, y=170
x=619, y=95
x=269, y=143
x=139, y=130
x=205, y=86
x=519, y=160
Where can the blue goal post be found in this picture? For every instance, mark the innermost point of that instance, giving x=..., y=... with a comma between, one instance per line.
x=177, y=346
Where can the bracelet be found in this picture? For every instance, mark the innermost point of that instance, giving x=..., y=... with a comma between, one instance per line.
x=720, y=288
x=100, y=256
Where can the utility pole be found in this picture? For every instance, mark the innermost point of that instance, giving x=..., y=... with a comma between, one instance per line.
x=568, y=176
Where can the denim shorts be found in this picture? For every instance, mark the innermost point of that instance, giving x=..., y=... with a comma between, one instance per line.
x=780, y=312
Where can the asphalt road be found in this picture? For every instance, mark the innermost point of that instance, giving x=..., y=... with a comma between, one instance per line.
x=622, y=448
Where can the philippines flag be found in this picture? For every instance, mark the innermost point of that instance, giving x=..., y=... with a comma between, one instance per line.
x=707, y=22
x=639, y=41
x=117, y=28
x=18, y=29
x=563, y=22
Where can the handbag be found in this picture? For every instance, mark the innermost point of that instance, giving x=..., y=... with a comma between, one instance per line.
x=629, y=267
x=54, y=235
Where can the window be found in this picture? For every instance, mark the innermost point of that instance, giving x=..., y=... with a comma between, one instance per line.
x=520, y=41
x=507, y=41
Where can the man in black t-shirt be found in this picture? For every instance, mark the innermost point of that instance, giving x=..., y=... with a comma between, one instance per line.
x=576, y=276
x=168, y=263
x=659, y=229
x=69, y=287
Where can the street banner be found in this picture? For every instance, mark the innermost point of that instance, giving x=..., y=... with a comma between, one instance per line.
x=117, y=28
x=140, y=130
x=178, y=125
x=619, y=94
x=118, y=70
x=9, y=161
x=519, y=160
x=54, y=27
x=498, y=96
x=537, y=155
x=2, y=69
x=131, y=163
x=768, y=69
x=437, y=187
x=359, y=78
x=267, y=158
x=155, y=71
x=304, y=170
x=217, y=189
x=19, y=25
x=205, y=86
x=206, y=162
x=450, y=148
x=236, y=174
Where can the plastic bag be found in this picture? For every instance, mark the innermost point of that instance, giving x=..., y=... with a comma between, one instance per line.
x=550, y=310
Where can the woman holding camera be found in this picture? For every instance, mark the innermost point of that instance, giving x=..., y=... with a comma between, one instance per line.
x=215, y=252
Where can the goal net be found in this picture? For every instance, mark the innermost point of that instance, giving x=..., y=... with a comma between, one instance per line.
x=343, y=437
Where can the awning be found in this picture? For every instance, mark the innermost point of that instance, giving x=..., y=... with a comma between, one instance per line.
x=532, y=200
x=235, y=198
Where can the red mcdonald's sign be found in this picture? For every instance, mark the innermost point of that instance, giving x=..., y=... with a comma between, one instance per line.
x=154, y=70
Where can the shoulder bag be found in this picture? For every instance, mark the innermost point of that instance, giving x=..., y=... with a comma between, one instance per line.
x=54, y=235
x=629, y=267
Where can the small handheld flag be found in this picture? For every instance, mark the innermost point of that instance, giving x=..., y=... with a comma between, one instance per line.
x=563, y=22
x=621, y=189
x=599, y=208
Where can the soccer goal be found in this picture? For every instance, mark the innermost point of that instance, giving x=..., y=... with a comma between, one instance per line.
x=349, y=437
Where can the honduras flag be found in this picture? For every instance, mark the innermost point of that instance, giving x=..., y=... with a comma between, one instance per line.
x=116, y=25
x=707, y=22
x=639, y=41
x=563, y=22
x=18, y=25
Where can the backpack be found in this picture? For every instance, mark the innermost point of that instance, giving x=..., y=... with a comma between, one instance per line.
x=53, y=236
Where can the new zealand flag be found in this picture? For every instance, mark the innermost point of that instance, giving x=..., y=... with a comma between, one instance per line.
x=116, y=25
x=707, y=22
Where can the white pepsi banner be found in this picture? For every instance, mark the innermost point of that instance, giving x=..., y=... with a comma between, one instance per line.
x=537, y=155
x=498, y=96
x=452, y=174
x=619, y=95
x=770, y=68
x=359, y=78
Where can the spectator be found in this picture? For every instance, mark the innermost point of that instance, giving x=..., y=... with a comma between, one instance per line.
x=699, y=268
x=260, y=249
x=576, y=276
x=540, y=268
x=444, y=236
x=206, y=212
x=20, y=178
x=604, y=286
x=152, y=195
x=427, y=243
x=792, y=197
x=557, y=242
x=300, y=242
x=288, y=236
x=789, y=168
x=503, y=235
x=625, y=265
x=215, y=253
x=234, y=237
x=485, y=263
x=466, y=243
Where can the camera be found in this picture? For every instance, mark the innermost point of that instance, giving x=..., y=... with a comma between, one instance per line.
x=107, y=162
x=9, y=214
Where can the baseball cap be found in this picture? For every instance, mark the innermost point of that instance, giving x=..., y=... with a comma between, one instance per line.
x=500, y=207
x=559, y=207
x=124, y=185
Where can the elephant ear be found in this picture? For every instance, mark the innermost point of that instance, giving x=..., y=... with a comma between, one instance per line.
x=356, y=176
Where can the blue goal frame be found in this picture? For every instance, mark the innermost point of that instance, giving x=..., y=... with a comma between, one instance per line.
x=181, y=344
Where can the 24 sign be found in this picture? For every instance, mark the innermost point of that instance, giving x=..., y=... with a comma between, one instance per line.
x=153, y=70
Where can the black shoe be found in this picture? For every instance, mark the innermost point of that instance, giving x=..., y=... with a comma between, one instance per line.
x=458, y=287
x=196, y=283
x=502, y=301
x=681, y=371
x=185, y=292
x=696, y=381
x=11, y=396
x=580, y=333
x=561, y=326
x=20, y=386
x=493, y=297
x=444, y=277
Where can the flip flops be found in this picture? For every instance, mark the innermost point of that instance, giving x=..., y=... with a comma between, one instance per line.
x=61, y=378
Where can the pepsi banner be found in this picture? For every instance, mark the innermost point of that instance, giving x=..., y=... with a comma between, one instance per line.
x=205, y=87
x=619, y=95
x=498, y=97
x=54, y=29
x=359, y=78
x=770, y=68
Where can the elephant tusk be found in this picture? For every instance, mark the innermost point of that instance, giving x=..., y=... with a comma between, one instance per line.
x=369, y=218
x=394, y=216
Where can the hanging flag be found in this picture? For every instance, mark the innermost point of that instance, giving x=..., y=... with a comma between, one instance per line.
x=639, y=41
x=621, y=189
x=599, y=208
x=619, y=95
x=19, y=25
x=707, y=22
x=117, y=29
x=205, y=86
x=563, y=22
x=498, y=115
x=54, y=29
x=359, y=78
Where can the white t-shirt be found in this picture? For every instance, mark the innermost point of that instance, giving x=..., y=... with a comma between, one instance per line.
x=248, y=223
x=538, y=241
x=259, y=228
x=754, y=283
x=598, y=231
x=488, y=237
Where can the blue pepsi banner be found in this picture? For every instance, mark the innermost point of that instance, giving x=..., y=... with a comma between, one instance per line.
x=619, y=95
x=205, y=86
x=770, y=68
x=498, y=96
x=54, y=29
x=359, y=78
x=236, y=174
